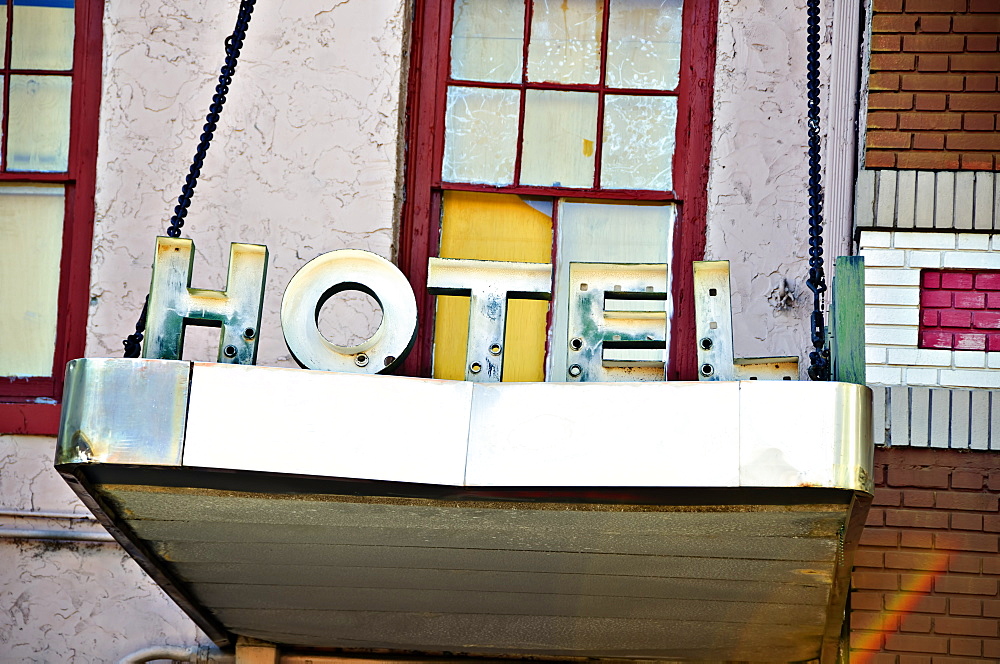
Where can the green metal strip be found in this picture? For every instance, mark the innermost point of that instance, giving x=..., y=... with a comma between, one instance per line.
x=848, y=320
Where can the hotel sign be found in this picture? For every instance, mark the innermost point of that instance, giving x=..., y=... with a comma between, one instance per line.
x=612, y=323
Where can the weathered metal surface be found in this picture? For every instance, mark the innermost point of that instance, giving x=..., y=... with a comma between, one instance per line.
x=805, y=434
x=617, y=322
x=617, y=434
x=847, y=320
x=714, y=330
x=173, y=304
x=528, y=519
x=332, y=273
x=334, y=424
x=488, y=284
x=124, y=411
x=480, y=575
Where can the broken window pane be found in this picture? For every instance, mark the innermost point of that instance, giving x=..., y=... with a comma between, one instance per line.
x=31, y=221
x=565, y=42
x=644, y=44
x=560, y=129
x=42, y=35
x=38, y=131
x=480, y=135
x=639, y=135
x=487, y=42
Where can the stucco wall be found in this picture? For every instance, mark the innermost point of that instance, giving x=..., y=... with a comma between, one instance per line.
x=757, y=200
x=76, y=602
x=304, y=160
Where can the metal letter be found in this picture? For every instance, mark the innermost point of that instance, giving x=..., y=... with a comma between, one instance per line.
x=713, y=324
x=173, y=304
x=617, y=322
x=342, y=270
x=488, y=284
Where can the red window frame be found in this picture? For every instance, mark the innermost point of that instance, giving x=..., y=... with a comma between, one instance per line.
x=31, y=405
x=425, y=124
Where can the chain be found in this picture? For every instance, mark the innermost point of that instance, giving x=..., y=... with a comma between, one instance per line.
x=819, y=357
x=234, y=42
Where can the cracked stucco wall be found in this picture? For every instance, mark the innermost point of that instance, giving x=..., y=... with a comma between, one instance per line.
x=70, y=601
x=757, y=202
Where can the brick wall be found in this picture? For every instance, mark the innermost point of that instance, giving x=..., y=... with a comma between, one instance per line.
x=933, y=101
x=927, y=571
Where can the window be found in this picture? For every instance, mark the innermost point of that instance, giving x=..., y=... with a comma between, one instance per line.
x=536, y=127
x=50, y=67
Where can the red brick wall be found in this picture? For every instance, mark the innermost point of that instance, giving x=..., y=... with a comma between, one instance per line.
x=927, y=571
x=933, y=101
x=960, y=309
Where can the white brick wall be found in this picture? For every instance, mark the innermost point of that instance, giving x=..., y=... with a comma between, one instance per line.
x=893, y=260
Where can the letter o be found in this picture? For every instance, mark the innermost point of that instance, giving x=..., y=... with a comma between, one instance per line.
x=332, y=273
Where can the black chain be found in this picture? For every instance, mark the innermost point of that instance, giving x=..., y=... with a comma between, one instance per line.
x=819, y=357
x=234, y=42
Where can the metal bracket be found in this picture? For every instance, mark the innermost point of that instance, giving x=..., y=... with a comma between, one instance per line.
x=713, y=315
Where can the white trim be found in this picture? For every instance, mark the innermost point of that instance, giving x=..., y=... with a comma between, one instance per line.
x=842, y=120
x=892, y=307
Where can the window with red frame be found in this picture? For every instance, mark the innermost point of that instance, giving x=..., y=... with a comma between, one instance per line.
x=581, y=101
x=50, y=61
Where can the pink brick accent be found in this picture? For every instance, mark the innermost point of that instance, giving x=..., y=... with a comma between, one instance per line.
x=960, y=310
x=988, y=281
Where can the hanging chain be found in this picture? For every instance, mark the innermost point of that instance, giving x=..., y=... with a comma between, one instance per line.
x=819, y=357
x=234, y=42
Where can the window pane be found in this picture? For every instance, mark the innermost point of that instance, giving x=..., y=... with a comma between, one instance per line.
x=560, y=129
x=39, y=123
x=31, y=219
x=565, y=41
x=3, y=31
x=639, y=135
x=43, y=34
x=644, y=44
x=480, y=135
x=487, y=42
